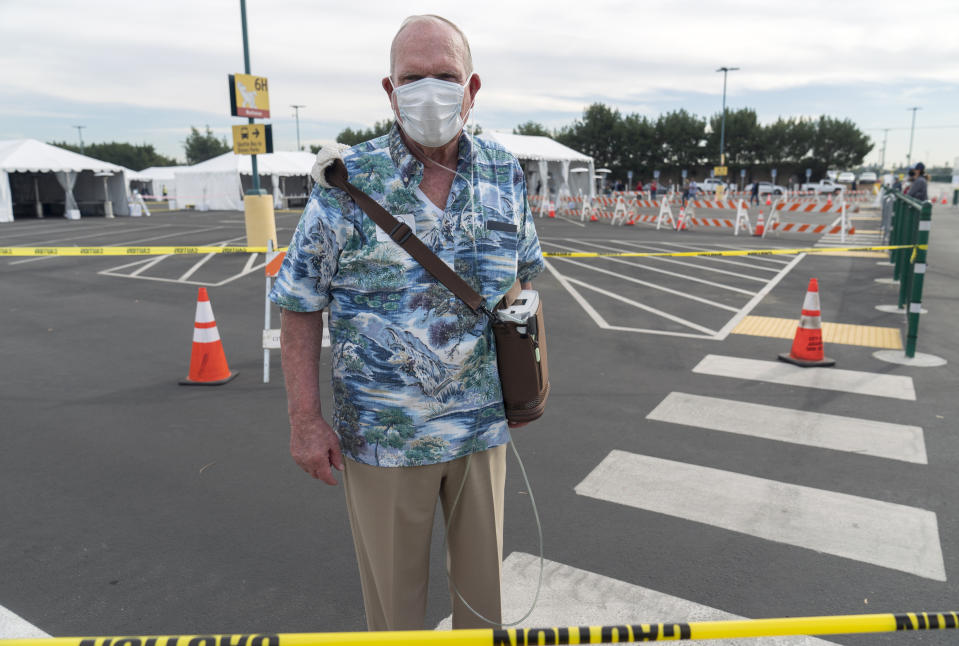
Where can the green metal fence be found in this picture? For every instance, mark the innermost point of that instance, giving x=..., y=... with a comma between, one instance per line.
x=910, y=225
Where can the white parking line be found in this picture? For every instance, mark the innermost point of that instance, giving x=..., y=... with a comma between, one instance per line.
x=192, y=270
x=776, y=260
x=641, y=265
x=777, y=372
x=698, y=266
x=889, y=535
x=13, y=626
x=150, y=263
x=98, y=234
x=757, y=299
x=41, y=230
x=836, y=432
x=574, y=597
x=642, y=306
x=728, y=261
x=637, y=281
x=126, y=243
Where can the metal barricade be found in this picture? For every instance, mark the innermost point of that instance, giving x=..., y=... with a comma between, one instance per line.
x=910, y=225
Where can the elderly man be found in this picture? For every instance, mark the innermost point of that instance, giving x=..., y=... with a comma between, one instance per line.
x=418, y=408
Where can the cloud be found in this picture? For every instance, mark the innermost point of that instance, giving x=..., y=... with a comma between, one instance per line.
x=537, y=59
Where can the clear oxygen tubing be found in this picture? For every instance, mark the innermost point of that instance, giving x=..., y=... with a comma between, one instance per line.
x=539, y=526
x=539, y=531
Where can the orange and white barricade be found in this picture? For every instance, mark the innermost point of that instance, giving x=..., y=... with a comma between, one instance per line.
x=742, y=218
x=665, y=215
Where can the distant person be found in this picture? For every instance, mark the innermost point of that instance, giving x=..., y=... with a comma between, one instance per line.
x=652, y=189
x=897, y=185
x=919, y=188
x=639, y=186
x=754, y=194
x=853, y=187
x=690, y=192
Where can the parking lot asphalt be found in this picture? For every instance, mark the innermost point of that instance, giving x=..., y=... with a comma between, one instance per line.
x=133, y=505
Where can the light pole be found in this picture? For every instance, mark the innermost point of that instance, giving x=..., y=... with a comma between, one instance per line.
x=885, y=136
x=246, y=69
x=80, y=135
x=911, y=131
x=296, y=115
x=722, y=130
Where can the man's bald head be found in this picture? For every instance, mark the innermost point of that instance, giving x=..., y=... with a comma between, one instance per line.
x=409, y=28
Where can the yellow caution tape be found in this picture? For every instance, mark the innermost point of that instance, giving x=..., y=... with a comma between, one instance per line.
x=186, y=250
x=624, y=633
x=123, y=251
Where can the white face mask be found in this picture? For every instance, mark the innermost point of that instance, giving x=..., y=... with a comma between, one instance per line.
x=429, y=109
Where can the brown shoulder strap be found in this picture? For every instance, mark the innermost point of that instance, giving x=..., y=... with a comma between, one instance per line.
x=401, y=234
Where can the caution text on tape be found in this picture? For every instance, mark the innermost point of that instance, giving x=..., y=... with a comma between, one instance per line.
x=200, y=250
x=623, y=633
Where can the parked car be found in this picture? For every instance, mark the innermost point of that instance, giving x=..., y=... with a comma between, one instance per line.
x=710, y=184
x=824, y=186
x=867, y=177
x=767, y=188
x=846, y=177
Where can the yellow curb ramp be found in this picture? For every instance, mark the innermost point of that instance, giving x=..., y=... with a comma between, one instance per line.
x=870, y=336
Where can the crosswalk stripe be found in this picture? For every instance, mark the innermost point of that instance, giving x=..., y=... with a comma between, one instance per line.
x=872, y=531
x=575, y=597
x=851, y=381
x=863, y=436
x=13, y=626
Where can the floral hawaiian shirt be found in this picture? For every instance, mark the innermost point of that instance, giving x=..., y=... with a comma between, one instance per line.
x=414, y=370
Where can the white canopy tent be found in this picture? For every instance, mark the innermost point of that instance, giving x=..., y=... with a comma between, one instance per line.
x=162, y=183
x=39, y=179
x=220, y=183
x=550, y=167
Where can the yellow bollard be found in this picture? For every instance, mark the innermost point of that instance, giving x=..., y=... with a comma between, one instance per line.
x=260, y=220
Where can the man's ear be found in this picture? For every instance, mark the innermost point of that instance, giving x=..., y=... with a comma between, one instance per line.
x=474, y=86
x=388, y=87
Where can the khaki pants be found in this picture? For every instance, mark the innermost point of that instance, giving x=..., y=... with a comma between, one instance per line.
x=391, y=514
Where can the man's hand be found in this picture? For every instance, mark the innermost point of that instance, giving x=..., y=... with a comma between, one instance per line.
x=315, y=447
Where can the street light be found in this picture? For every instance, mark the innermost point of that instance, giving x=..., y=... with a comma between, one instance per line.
x=80, y=135
x=911, y=131
x=722, y=130
x=296, y=114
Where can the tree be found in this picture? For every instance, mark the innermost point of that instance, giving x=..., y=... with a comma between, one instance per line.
x=789, y=141
x=744, y=142
x=678, y=137
x=202, y=146
x=638, y=139
x=352, y=137
x=136, y=157
x=532, y=129
x=840, y=144
x=598, y=134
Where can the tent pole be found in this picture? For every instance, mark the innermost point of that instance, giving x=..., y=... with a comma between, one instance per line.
x=36, y=197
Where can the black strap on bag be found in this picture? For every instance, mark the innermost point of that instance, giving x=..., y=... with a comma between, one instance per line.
x=521, y=351
x=401, y=234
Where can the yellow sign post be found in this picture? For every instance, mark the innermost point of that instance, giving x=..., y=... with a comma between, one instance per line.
x=720, y=171
x=249, y=96
x=253, y=139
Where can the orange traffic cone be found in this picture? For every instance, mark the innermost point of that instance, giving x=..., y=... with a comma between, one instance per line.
x=769, y=200
x=593, y=218
x=760, y=225
x=208, y=365
x=807, y=350
x=552, y=209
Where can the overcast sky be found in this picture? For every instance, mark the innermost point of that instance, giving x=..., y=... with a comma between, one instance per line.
x=146, y=71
